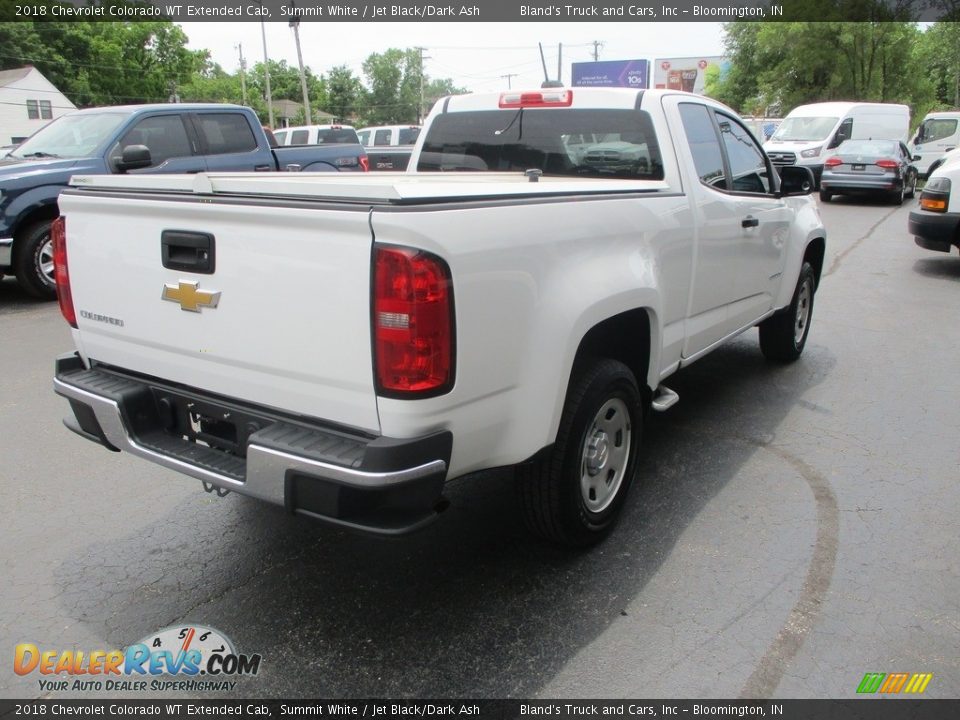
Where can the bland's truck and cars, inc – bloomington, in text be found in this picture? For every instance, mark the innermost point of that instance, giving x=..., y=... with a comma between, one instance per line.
x=344, y=345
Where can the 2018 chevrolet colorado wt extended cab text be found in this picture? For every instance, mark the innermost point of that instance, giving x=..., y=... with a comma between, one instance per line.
x=172, y=138
x=344, y=345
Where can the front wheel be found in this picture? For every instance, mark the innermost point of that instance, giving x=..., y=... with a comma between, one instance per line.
x=33, y=261
x=784, y=335
x=912, y=192
x=573, y=495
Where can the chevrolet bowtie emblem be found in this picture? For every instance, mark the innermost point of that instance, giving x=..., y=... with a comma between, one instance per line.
x=190, y=297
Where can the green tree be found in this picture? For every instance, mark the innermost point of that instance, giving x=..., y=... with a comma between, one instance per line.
x=393, y=87
x=344, y=93
x=782, y=65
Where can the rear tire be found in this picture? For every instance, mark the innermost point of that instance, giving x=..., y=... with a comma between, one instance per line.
x=33, y=261
x=826, y=195
x=784, y=335
x=573, y=495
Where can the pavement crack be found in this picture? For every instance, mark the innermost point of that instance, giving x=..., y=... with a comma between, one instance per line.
x=838, y=258
x=773, y=665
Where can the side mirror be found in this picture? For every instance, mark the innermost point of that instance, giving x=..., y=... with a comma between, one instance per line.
x=916, y=158
x=134, y=157
x=796, y=180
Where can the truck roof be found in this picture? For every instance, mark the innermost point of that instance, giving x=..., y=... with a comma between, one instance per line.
x=374, y=187
x=579, y=97
x=131, y=109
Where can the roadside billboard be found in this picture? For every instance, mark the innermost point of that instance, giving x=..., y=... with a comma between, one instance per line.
x=687, y=73
x=612, y=73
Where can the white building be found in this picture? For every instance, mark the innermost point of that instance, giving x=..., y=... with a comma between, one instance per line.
x=28, y=101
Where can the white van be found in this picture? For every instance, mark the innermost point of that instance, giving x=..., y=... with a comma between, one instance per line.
x=809, y=132
x=938, y=133
x=389, y=135
x=316, y=135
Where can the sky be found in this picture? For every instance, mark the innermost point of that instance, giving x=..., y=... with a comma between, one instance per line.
x=476, y=56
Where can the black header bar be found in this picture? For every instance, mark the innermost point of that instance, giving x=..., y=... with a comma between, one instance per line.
x=480, y=10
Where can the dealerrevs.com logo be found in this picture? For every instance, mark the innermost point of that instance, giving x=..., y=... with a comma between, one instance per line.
x=183, y=658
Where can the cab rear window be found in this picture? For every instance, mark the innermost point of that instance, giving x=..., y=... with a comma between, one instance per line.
x=571, y=142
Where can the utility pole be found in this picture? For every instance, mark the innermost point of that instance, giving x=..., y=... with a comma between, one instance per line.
x=421, y=111
x=596, y=50
x=295, y=24
x=243, y=74
x=266, y=70
x=507, y=78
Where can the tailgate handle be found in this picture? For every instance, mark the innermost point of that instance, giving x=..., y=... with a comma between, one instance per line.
x=188, y=251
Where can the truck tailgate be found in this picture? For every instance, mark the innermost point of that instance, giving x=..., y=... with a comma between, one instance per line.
x=289, y=328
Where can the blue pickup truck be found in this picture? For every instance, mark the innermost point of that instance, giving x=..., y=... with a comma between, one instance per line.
x=177, y=138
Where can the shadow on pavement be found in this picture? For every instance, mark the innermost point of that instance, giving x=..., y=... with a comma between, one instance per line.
x=470, y=607
x=939, y=267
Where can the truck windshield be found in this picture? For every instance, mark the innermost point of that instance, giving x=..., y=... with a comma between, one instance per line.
x=805, y=128
x=607, y=143
x=937, y=129
x=70, y=136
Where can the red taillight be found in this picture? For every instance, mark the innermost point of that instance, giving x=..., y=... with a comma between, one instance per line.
x=61, y=273
x=833, y=161
x=412, y=323
x=888, y=164
x=540, y=98
x=365, y=163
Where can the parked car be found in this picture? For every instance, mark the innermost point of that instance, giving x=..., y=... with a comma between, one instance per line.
x=391, y=135
x=316, y=135
x=935, y=224
x=869, y=167
x=144, y=139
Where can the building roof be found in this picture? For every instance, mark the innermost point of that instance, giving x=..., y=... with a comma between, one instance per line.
x=11, y=76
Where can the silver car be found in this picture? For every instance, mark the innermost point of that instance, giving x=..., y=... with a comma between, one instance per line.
x=869, y=167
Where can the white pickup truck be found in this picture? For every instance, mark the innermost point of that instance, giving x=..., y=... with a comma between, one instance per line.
x=345, y=346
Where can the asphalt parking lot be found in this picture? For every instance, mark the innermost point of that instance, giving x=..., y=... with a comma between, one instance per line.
x=794, y=528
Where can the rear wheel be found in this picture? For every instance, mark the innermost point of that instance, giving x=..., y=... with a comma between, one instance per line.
x=784, y=335
x=897, y=196
x=825, y=195
x=33, y=261
x=573, y=495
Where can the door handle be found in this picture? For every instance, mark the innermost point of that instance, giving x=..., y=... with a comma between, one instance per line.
x=263, y=168
x=750, y=221
x=188, y=251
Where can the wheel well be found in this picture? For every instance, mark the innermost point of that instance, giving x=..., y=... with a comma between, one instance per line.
x=624, y=337
x=814, y=255
x=50, y=211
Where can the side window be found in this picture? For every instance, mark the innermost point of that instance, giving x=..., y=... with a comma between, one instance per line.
x=364, y=136
x=748, y=166
x=281, y=136
x=226, y=133
x=382, y=137
x=299, y=137
x=164, y=135
x=704, y=144
x=844, y=132
x=408, y=136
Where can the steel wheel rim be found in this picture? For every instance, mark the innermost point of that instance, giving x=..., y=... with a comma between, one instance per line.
x=605, y=455
x=802, y=319
x=45, y=260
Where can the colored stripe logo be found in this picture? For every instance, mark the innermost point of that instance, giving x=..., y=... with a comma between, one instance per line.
x=893, y=683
